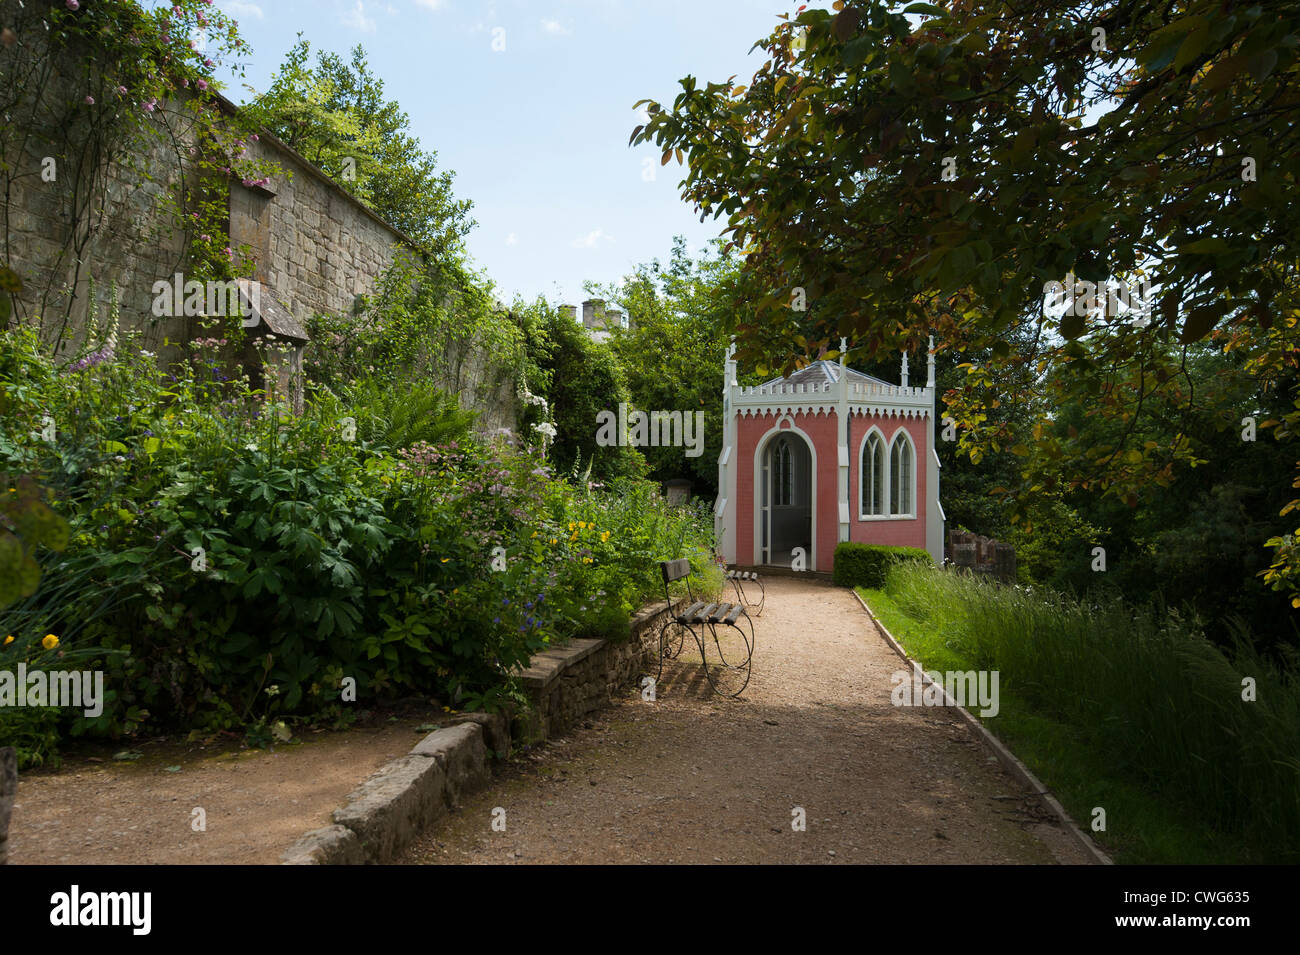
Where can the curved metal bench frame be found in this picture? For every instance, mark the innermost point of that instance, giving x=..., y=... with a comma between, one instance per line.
x=702, y=619
x=739, y=579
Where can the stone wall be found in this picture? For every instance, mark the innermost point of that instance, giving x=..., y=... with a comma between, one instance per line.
x=982, y=555
x=76, y=219
x=565, y=684
x=110, y=236
x=313, y=244
x=8, y=790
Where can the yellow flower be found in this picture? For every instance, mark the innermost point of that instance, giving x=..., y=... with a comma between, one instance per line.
x=552, y=540
x=582, y=524
x=445, y=559
x=534, y=533
x=573, y=536
x=604, y=536
x=9, y=639
x=586, y=560
x=50, y=641
x=571, y=525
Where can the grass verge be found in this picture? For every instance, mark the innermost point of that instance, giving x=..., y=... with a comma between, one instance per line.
x=1130, y=711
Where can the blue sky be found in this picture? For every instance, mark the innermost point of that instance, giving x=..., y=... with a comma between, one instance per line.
x=537, y=132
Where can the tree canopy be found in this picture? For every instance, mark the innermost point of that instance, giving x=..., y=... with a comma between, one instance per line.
x=336, y=115
x=932, y=170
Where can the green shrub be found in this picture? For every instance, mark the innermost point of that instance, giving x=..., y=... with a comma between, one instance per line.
x=230, y=564
x=865, y=565
x=398, y=416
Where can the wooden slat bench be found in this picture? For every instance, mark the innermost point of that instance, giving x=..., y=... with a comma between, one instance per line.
x=718, y=629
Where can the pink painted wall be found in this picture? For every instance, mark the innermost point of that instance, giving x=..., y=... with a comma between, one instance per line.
x=901, y=532
x=823, y=432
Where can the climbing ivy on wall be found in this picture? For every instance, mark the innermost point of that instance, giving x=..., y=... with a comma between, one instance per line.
x=88, y=90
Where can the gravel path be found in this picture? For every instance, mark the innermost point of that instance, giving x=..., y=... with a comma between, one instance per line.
x=256, y=802
x=693, y=778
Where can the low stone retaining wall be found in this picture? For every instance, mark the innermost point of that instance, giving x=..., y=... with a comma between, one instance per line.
x=565, y=684
x=8, y=789
x=390, y=808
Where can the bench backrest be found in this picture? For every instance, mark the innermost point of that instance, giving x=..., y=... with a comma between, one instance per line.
x=676, y=570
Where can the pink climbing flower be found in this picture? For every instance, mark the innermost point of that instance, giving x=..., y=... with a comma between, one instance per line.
x=206, y=238
x=201, y=84
x=90, y=101
x=73, y=5
x=121, y=90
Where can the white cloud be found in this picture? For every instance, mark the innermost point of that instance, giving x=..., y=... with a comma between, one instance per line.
x=555, y=27
x=429, y=4
x=357, y=19
x=592, y=239
x=240, y=8
x=512, y=239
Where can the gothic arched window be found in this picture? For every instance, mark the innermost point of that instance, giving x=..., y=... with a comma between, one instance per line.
x=873, y=476
x=901, y=475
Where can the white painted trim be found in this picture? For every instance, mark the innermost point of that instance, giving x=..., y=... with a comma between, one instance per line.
x=759, y=450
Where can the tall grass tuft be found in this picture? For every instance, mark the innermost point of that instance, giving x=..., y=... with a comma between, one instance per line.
x=1141, y=685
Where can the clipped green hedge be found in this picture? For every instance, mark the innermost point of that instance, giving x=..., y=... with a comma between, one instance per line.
x=865, y=565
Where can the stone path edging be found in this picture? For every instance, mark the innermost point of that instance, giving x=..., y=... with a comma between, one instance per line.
x=392, y=806
x=1004, y=755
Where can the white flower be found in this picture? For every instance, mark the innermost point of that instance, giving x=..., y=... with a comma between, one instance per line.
x=545, y=428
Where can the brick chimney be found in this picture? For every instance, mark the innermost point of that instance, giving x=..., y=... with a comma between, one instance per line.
x=570, y=312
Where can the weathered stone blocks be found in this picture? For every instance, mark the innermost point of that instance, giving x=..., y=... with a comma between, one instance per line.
x=390, y=808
